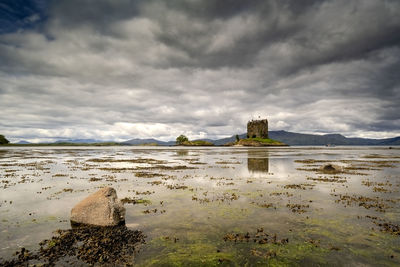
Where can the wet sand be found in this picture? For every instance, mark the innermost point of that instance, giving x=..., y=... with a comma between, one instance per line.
x=212, y=206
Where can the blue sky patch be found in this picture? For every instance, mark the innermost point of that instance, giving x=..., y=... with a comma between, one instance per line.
x=21, y=14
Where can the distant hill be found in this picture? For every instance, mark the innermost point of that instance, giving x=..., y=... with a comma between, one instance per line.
x=80, y=141
x=223, y=141
x=23, y=142
x=335, y=139
x=390, y=141
x=148, y=141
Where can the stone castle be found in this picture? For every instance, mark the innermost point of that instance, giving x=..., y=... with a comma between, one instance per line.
x=257, y=128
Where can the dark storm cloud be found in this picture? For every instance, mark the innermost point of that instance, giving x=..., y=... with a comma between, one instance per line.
x=97, y=14
x=316, y=32
x=123, y=69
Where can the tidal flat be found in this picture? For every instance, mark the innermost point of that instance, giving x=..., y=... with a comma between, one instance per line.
x=210, y=206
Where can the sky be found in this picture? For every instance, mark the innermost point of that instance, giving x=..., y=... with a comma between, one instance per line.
x=123, y=69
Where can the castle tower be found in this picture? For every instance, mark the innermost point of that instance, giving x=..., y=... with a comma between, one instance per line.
x=257, y=128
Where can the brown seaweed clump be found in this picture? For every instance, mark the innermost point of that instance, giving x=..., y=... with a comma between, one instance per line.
x=259, y=237
x=385, y=226
x=92, y=245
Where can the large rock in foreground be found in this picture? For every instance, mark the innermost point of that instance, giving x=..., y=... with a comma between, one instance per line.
x=100, y=208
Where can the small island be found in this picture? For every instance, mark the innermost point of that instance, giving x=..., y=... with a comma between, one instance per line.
x=257, y=135
x=182, y=140
x=259, y=142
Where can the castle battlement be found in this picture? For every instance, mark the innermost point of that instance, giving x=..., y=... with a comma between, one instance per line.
x=257, y=128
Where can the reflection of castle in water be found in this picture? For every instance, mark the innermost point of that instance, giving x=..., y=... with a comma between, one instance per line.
x=257, y=161
x=182, y=152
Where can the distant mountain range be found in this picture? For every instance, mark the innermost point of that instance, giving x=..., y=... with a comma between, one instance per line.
x=148, y=141
x=23, y=142
x=290, y=138
x=78, y=141
x=72, y=141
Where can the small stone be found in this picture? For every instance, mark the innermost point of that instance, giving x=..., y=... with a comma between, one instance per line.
x=101, y=208
x=330, y=168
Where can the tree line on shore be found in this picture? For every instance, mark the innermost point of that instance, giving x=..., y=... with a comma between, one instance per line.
x=3, y=140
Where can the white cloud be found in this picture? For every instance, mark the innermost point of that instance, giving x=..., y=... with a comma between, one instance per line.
x=160, y=70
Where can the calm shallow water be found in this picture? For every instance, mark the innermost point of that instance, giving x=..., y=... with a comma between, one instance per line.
x=202, y=202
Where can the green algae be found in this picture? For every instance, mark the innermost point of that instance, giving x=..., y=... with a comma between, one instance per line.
x=247, y=254
x=352, y=239
x=189, y=254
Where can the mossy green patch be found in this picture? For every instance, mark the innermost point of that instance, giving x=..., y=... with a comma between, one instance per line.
x=189, y=254
x=263, y=140
x=259, y=142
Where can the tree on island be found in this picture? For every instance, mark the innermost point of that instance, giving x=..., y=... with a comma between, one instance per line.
x=3, y=140
x=237, y=138
x=181, y=139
